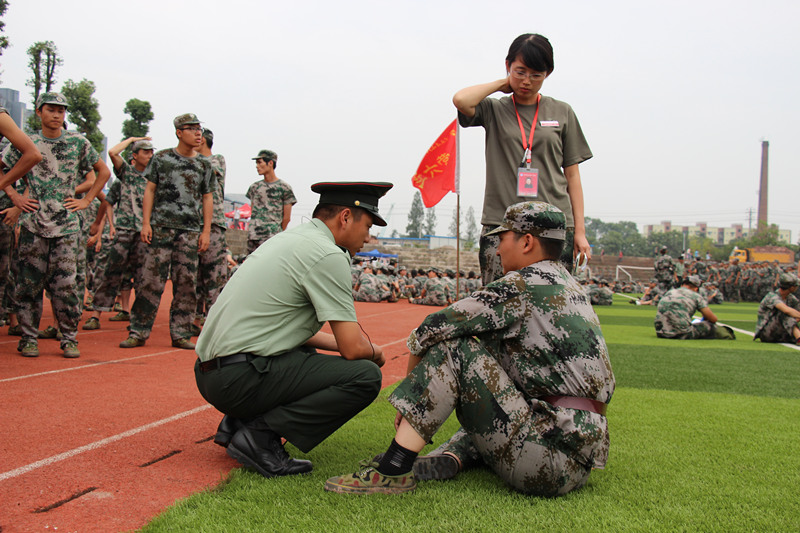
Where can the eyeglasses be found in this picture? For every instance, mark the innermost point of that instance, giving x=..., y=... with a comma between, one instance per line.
x=192, y=128
x=521, y=75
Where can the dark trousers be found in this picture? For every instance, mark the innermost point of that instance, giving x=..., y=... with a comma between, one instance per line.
x=301, y=395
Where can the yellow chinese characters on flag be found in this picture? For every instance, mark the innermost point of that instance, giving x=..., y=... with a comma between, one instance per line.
x=436, y=175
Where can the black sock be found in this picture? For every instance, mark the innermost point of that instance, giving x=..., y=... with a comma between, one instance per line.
x=397, y=460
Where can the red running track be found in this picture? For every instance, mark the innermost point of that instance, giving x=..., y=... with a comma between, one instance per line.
x=107, y=441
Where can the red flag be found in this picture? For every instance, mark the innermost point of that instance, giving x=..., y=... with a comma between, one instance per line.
x=436, y=175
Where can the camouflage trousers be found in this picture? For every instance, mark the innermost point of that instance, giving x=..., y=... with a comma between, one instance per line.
x=492, y=269
x=172, y=254
x=430, y=300
x=778, y=328
x=125, y=255
x=49, y=264
x=10, y=298
x=699, y=330
x=212, y=272
x=6, y=251
x=731, y=292
x=370, y=296
x=507, y=430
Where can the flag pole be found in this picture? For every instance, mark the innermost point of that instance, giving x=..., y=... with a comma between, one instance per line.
x=458, y=213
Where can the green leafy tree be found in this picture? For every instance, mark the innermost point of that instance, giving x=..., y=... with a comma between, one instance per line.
x=765, y=235
x=43, y=62
x=141, y=115
x=454, y=224
x=471, y=228
x=416, y=217
x=673, y=240
x=430, y=221
x=83, y=110
x=3, y=39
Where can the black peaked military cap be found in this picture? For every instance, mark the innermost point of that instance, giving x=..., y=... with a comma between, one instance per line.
x=363, y=194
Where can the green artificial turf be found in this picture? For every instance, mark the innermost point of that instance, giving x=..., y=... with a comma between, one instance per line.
x=704, y=437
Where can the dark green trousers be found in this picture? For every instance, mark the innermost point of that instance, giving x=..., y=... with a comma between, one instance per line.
x=303, y=396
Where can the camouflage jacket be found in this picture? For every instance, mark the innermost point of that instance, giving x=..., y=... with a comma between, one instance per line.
x=675, y=311
x=767, y=311
x=218, y=164
x=181, y=183
x=437, y=291
x=664, y=267
x=126, y=195
x=538, y=324
x=267, y=201
x=64, y=165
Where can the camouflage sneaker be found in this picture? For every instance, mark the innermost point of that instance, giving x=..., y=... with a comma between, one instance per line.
x=117, y=308
x=92, y=323
x=122, y=316
x=369, y=481
x=428, y=467
x=196, y=330
x=48, y=333
x=15, y=331
x=88, y=304
x=184, y=344
x=28, y=348
x=131, y=342
x=71, y=350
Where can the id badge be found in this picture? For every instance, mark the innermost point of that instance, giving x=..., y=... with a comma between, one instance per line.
x=528, y=182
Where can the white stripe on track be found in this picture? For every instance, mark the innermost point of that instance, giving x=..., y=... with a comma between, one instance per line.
x=98, y=444
x=115, y=361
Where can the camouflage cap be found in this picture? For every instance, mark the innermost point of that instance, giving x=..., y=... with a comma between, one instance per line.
x=787, y=281
x=52, y=98
x=363, y=194
x=266, y=155
x=694, y=280
x=184, y=120
x=540, y=219
x=142, y=145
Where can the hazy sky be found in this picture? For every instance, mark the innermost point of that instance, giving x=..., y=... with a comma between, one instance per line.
x=674, y=97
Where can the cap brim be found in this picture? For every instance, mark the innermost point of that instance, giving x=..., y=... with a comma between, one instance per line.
x=499, y=229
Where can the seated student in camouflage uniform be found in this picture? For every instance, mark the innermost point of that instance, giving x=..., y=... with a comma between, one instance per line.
x=271, y=201
x=602, y=295
x=711, y=293
x=652, y=294
x=176, y=224
x=524, y=365
x=49, y=238
x=435, y=291
x=370, y=288
x=675, y=311
x=778, y=313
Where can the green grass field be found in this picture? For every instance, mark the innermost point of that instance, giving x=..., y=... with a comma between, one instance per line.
x=704, y=437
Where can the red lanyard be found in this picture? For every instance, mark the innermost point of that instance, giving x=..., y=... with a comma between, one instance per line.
x=528, y=147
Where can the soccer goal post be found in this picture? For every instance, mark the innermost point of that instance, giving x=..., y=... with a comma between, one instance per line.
x=634, y=273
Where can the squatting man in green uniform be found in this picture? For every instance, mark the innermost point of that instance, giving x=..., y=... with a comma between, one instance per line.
x=523, y=363
x=258, y=362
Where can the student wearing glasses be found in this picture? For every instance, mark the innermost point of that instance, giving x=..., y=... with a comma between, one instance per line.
x=176, y=227
x=534, y=145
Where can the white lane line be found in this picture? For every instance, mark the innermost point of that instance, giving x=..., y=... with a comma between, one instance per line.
x=98, y=444
x=38, y=374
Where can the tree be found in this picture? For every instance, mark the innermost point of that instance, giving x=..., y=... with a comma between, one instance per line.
x=416, y=217
x=83, y=110
x=44, y=60
x=471, y=228
x=430, y=221
x=765, y=235
x=454, y=224
x=3, y=39
x=673, y=240
x=139, y=123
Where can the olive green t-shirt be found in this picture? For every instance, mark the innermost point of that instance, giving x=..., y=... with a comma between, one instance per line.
x=281, y=296
x=558, y=142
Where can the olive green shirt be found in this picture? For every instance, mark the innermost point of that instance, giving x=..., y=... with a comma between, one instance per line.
x=558, y=142
x=281, y=296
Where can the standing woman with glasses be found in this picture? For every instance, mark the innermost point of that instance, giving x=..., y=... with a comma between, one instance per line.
x=534, y=144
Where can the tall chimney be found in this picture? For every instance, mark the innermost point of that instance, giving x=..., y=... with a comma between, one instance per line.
x=762, y=191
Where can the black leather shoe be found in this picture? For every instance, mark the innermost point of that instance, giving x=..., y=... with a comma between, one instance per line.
x=226, y=429
x=269, y=459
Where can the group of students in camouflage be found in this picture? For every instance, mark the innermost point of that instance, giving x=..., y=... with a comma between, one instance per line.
x=390, y=283
x=162, y=219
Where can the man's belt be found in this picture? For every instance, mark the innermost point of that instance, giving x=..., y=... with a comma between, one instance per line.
x=219, y=362
x=573, y=402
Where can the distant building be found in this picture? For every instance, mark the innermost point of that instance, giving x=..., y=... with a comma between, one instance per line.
x=717, y=235
x=18, y=111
